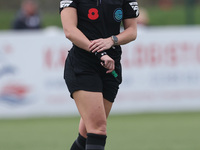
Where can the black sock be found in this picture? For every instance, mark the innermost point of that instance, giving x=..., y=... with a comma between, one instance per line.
x=79, y=144
x=95, y=142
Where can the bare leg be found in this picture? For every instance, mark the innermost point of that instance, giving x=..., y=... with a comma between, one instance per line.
x=92, y=111
x=80, y=143
x=82, y=128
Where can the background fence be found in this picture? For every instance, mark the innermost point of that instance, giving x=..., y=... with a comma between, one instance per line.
x=160, y=72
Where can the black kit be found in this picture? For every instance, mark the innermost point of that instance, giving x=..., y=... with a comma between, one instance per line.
x=97, y=19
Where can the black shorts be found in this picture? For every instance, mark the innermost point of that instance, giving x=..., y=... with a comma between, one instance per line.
x=83, y=71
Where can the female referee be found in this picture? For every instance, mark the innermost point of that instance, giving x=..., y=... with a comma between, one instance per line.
x=92, y=69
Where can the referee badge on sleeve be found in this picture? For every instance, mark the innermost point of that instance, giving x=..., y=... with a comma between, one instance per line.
x=65, y=3
x=135, y=7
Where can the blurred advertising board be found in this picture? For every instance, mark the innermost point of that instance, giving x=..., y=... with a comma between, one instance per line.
x=161, y=72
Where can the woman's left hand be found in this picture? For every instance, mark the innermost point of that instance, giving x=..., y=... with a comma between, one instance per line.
x=100, y=45
x=108, y=63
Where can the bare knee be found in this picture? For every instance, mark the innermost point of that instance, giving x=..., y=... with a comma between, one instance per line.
x=102, y=125
x=98, y=127
x=82, y=128
x=92, y=110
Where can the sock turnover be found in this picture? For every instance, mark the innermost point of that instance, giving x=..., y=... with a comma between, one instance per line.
x=95, y=142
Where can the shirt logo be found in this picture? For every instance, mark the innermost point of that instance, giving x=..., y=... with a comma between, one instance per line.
x=93, y=14
x=65, y=3
x=135, y=7
x=118, y=14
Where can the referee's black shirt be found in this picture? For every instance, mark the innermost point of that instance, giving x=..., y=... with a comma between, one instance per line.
x=101, y=18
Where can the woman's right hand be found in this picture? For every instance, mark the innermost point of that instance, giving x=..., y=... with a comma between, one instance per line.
x=108, y=63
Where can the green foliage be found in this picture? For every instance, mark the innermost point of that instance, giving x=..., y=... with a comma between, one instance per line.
x=170, y=131
x=51, y=19
x=176, y=15
x=6, y=19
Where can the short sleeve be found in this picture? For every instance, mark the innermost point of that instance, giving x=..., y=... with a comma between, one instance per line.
x=68, y=3
x=130, y=9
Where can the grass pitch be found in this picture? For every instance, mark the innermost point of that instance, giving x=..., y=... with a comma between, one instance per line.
x=167, y=131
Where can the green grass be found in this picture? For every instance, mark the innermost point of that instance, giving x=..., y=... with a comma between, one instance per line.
x=170, y=131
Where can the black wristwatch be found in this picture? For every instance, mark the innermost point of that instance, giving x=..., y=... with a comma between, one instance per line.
x=115, y=39
x=99, y=55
